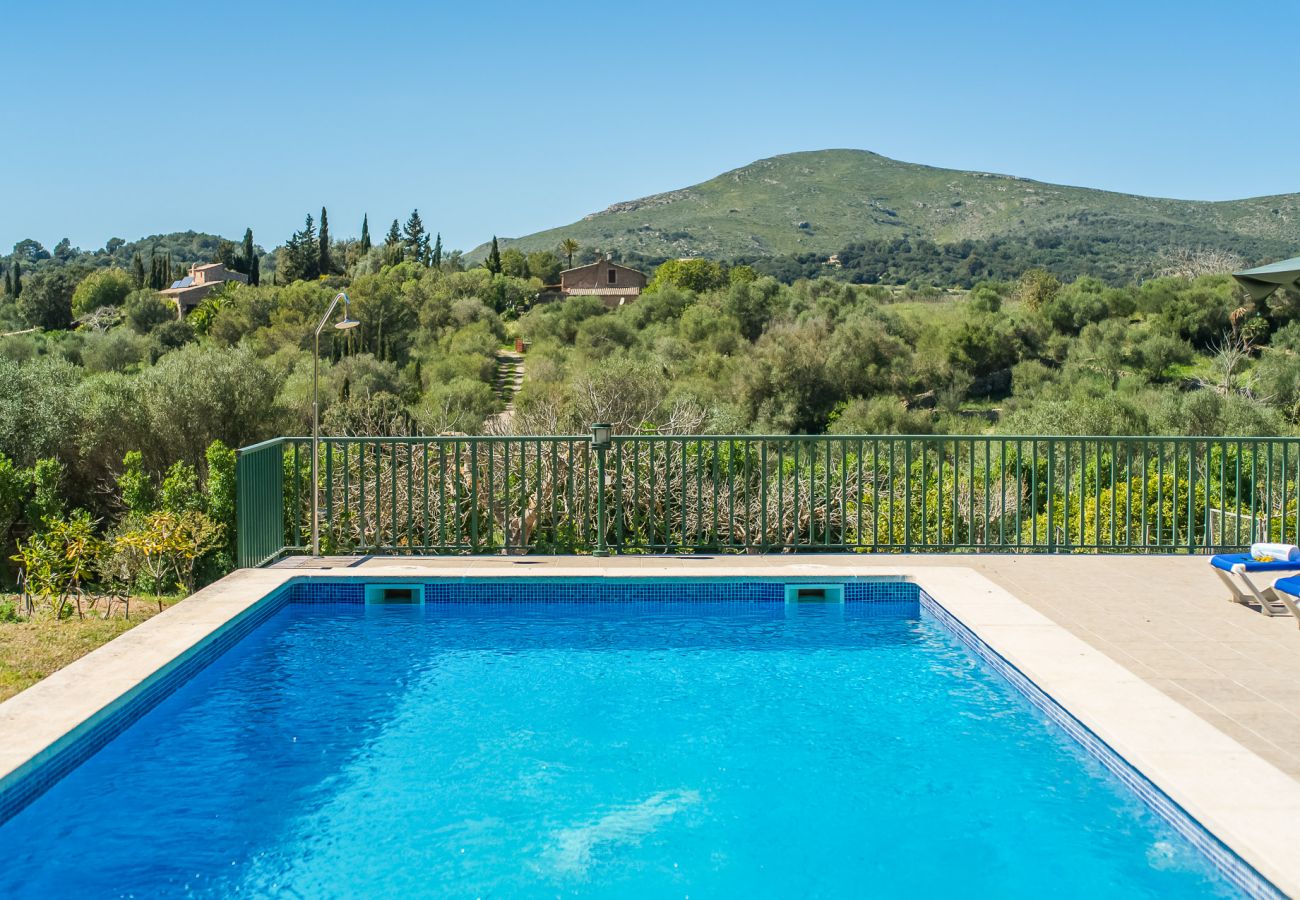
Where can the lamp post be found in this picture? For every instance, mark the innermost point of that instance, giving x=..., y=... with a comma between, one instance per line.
x=342, y=325
x=602, y=438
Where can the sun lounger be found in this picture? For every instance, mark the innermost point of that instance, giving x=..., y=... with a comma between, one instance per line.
x=1287, y=592
x=1236, y=569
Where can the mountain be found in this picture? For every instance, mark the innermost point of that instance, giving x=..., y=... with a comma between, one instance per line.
x=820, y=202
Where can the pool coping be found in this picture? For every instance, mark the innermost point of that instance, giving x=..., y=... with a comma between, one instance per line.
x=1251, y=806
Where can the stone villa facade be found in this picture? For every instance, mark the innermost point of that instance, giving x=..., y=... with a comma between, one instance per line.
x=614, y=284
x=202, y=280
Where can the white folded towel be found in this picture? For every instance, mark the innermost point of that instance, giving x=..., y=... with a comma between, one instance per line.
x=1279, y=552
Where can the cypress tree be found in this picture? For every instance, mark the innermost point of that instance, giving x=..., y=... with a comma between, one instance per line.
x=365, y=234
x=493, y=261
x=248, y=252
x=308, y=252
x=323, y=263
x=18, y=279
x=437, y=251
x=137, y=270
x=255, y=272
x=9, y=285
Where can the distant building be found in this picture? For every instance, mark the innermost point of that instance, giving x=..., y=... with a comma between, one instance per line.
x=615, y=285
x=202, y=280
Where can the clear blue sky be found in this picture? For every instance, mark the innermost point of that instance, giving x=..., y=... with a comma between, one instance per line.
x=131, y=118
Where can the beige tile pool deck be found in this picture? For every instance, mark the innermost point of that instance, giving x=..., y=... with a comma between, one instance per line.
x=1201, y=695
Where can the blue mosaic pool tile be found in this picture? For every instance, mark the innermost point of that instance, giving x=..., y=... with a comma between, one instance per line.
x=902, y=596
x=331, y=591
x=1241, y=874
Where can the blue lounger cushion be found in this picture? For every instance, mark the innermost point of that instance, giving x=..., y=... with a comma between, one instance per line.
x=1290, y=585
x=1244, y=562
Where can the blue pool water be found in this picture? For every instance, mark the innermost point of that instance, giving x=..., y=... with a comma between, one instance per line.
x=659, y=750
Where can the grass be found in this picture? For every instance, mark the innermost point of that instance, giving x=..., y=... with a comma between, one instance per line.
x=41, y=645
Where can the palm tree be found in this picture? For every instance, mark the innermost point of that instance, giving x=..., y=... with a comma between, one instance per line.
x=568, y=247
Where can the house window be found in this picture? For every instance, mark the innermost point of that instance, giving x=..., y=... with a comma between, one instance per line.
x=613, y=276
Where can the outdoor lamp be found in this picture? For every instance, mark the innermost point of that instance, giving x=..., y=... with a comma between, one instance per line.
x=602, y=438
x=343, y=324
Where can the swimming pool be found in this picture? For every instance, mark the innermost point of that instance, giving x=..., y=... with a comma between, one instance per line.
x=533, y=738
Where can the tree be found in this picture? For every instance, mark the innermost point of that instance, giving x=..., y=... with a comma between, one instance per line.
x=45, y=503
x=105, y=287
x=415, y=240
x=137, y=270
x=393, y=253
x=169, y=543
x=513, y=262
x=1105, y=348
x=36, y=406
x=365, y=234
x=697, y=275
x=14, y=482
x=18, y=280
x=1037, y=287
x=46, y=301
x=160, y=271
x=324, y=265
x=146, y=310
x=57, y=560
x=180, y=489
x=63, y=250
x=248, y=254
x=436, y=260
x=255, y=272
x=30, y=250
x=568, y=247
x=545, y=266
x=135, y=486
x=493, y=261
x=219, y=494
x=228, y=255
x=300, y=256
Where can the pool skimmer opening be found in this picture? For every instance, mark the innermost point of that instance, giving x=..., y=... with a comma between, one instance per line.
x=814, y=593
x=394, y=594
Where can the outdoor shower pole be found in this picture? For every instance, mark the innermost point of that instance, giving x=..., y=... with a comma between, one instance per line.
x=346, y=322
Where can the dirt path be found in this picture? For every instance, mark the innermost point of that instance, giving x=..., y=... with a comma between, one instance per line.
x=509, y=379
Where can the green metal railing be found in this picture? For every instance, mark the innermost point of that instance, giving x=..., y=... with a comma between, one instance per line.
x=748, y=493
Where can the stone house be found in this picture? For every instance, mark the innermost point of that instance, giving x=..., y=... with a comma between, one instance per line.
x=614, y=284
x=189, y=291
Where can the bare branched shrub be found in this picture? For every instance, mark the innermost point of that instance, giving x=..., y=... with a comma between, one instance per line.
x=1193, y=262
x=1229, y=354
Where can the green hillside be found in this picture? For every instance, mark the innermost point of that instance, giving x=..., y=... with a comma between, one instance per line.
x=822, y=201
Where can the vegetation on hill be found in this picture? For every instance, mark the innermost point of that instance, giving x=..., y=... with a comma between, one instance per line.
x=807, y=206
x=1170, y=356
x=118, y=417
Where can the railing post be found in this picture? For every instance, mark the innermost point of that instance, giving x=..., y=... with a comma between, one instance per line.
x=259, y=503
x=1051, y=499
x=602, y=436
